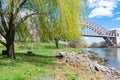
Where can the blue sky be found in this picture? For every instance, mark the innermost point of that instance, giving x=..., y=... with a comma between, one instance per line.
x=105, y=13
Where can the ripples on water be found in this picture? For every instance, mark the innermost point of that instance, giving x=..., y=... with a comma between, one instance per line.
x=112, y=54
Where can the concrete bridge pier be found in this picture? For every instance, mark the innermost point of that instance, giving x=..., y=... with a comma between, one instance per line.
x=118, y=38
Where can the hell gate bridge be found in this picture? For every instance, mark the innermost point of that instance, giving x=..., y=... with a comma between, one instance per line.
x=112, y=37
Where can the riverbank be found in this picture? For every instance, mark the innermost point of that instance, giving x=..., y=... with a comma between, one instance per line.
x=112, y=54
x=91, y=62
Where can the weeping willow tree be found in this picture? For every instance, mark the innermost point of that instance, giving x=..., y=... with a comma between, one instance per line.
x=10, y=20
x=58, y=19
x=62, y=20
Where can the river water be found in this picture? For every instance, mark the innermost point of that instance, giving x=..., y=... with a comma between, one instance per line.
x=112, y=54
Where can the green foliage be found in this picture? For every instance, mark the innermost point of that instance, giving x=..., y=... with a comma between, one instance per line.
x=91, y=78
x=54, y=19
x=62, y=19
x=77, y=43
x=69, y=11
x=23, y=36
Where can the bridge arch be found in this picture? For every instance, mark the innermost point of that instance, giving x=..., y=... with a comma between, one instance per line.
x=110, y=36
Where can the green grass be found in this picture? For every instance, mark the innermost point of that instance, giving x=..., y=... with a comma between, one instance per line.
x=37, y=67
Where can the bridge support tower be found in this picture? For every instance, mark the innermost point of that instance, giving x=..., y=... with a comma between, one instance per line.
x=118, y=38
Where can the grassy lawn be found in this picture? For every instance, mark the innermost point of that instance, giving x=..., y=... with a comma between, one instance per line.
x=43, y=66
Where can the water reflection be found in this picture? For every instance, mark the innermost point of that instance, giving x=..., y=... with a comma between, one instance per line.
x=112, y=54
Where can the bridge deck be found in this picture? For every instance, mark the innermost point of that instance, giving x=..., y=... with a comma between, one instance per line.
x=90, y=35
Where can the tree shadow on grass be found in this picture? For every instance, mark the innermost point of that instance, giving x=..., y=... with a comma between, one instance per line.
x=49, y=47
x=38, y=60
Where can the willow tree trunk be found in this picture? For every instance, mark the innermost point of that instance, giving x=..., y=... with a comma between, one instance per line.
x=10, y=49
x=56, y=43
x=10, y=43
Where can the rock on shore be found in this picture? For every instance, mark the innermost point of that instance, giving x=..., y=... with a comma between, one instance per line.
x=91, y=61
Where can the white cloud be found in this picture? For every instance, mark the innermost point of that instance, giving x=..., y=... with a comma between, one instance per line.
x=117, y=18
x=102, y=7
x=98, y=12
x=117, y=13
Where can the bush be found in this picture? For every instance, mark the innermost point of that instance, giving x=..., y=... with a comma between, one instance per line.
x=77, y=43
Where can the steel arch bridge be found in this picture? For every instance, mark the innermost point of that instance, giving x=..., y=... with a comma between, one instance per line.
x=110, y=36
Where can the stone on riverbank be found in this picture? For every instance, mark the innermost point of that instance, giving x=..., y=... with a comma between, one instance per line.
x=91, y=61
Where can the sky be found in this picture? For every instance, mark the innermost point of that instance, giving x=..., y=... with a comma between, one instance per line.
x=105, y=13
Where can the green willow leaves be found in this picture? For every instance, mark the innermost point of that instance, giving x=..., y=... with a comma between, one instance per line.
x=61, y=20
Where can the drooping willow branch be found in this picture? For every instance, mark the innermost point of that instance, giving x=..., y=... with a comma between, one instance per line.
x=26, y=17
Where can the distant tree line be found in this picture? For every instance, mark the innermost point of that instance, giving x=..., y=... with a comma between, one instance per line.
x=99, y=45
x=78, y=43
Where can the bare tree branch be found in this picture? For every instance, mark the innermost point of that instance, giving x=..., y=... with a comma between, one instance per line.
x=3, y=43
x=20, y=5
x=12, y=6
x=4, y=23
x=12, y=11
x=26, y=17
x=2, y=33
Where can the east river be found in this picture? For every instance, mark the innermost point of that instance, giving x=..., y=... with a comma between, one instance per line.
x=112, y=54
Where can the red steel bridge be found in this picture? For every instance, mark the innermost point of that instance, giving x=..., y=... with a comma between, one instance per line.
x=112, y=37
